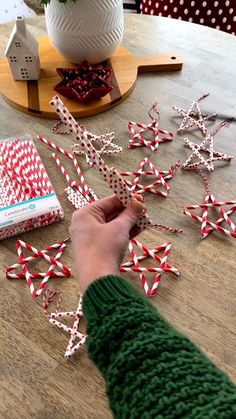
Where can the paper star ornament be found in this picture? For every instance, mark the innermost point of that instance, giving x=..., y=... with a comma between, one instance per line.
x=134, y=264
x=160, y=176
x=193, y=116
x=103, y=144
x=64, y=271
x=208, y=226
x=206, y=146
x=142, y=131
x=77, y=339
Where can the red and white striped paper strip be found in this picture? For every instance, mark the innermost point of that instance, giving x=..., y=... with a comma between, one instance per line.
x=84, y=183
x=54, y=146
x=84, y=189
x=72, y=347
x=70, y=182
x=207, y=226
x=135, y=261
x=21, y=160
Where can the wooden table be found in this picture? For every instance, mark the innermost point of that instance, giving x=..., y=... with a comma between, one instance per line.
x=36, y=381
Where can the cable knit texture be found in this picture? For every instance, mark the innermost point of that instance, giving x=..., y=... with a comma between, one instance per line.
x=150, y=369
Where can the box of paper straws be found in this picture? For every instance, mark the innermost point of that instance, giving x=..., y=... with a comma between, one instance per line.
x=27, y=197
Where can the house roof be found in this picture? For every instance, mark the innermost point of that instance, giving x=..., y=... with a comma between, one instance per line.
x=21, y=34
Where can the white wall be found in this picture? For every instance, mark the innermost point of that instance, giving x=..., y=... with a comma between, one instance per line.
x=10, y=9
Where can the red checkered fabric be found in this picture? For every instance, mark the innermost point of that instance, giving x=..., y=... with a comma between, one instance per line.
x=219, y=14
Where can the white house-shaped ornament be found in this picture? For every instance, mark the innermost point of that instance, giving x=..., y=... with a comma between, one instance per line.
x=22, y=53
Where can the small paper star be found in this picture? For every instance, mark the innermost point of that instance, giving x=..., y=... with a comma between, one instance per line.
x=134, y=264
x=206, y=146
x=160, y=135
x=23, y=264
x=77, y=339
x=208, y=226
x=161, y=176
x=193, y=116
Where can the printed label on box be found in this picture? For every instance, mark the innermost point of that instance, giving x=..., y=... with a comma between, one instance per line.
x=22, y=211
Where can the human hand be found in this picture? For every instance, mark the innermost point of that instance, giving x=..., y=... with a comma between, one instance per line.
x=100, y=234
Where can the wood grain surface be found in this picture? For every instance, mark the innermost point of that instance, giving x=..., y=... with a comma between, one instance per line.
x=33, y=96
x=36, y=381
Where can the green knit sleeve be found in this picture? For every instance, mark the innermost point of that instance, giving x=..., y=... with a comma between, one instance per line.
x=150, y=370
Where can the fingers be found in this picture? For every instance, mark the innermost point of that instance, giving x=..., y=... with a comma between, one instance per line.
x=130, y=215
x=108, y=209
x=108, y=206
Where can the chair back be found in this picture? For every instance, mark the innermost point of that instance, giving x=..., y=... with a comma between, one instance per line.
x=220, y=14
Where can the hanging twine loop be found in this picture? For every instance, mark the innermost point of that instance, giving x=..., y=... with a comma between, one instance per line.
x=173, y=169
x=48, y=297
x=154, y=108
x=166, y=228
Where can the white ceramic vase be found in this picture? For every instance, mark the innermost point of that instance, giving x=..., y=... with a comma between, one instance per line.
x=85, y=30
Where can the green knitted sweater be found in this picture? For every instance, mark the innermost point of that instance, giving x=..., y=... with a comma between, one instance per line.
x=150, y=369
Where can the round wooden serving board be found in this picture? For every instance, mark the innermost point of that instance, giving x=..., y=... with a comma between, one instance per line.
x=33, y=96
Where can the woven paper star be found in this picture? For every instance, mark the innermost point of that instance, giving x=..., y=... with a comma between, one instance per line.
x=134, y=264
x=139, y=132
x=208, y=226
x=104, y=145
x=161, y=177
x=193, y=116
x=77, y=339
x=23, y=264
x=205, y=146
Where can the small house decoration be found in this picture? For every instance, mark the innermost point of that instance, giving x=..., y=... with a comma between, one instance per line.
x=22, y=53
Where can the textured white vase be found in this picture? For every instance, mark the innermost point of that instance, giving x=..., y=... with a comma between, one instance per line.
x=85, y=30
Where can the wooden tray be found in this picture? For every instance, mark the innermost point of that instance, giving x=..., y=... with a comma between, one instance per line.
x=33, y=97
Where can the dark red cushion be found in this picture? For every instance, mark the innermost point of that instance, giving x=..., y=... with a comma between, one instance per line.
x=219, y=14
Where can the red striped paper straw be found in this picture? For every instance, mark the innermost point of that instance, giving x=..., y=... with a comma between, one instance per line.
x=54, y=146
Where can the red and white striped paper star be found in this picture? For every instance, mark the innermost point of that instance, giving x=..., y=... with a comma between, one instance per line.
x=134, y=265
x=63, y=271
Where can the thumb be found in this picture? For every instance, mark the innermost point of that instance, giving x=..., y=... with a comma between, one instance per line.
x=130, y=215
